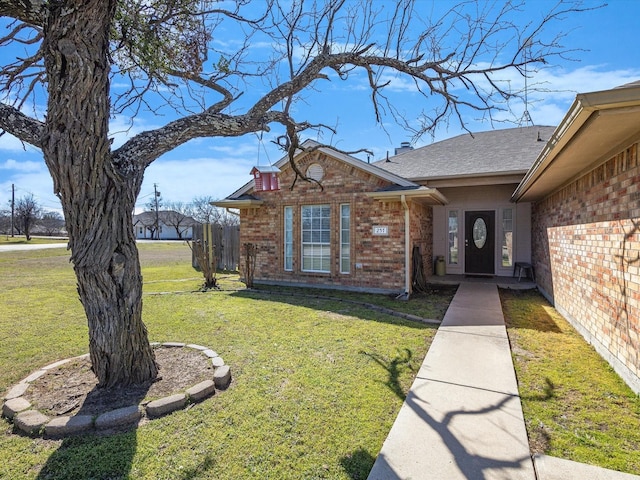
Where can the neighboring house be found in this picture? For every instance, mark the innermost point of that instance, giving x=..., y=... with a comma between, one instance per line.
x=168, y=225
x=585, y=189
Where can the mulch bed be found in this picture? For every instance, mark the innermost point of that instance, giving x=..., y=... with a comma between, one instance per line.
x=71, y=388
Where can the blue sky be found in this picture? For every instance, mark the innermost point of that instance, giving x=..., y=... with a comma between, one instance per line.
x=606, y=55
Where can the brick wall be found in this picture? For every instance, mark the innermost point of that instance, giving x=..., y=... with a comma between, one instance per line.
x=586, y=250
x=421, y=228
x=377, y=262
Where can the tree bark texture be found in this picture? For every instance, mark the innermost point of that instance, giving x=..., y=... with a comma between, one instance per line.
x=97, y=198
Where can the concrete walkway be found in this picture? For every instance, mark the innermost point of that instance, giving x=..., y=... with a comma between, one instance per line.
x=29, y=246
x=462, y=418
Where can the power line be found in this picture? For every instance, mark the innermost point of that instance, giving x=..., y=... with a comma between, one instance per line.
x=13, y=203
x=156, y=195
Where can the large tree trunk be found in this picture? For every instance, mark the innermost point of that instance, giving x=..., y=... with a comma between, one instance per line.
x=97, y=198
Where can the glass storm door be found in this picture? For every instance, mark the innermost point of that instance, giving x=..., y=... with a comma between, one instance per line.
x=479, y=242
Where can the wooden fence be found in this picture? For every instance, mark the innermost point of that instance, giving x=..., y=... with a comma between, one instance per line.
x=225, y=241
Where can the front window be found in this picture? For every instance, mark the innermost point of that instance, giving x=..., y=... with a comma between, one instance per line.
x=316, y=237
x=507, y=237
x=345, y=238
x=288, y=238
x=453, y=238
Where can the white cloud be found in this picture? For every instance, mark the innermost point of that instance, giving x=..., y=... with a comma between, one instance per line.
x=37, y=183
x=590, y=78
x=9, y=143
x=209, y=167
x=554, y=90
x=183, y=180
x=238, y=150
x=23, y=166
x=122, y=128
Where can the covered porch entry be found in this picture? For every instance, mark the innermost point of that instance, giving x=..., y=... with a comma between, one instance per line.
x=480, y=232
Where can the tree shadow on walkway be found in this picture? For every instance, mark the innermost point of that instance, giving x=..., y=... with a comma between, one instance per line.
x=472, y=466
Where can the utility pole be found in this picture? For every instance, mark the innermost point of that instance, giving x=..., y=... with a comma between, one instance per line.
x=156, y=195
x=13, y=205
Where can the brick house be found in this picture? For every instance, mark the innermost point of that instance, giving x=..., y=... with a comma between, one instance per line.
x=348, y=230
x=565, y=199
x=585, y=193
x=361, y=224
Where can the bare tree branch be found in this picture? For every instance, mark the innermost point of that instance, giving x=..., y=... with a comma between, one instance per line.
x=20, y=125
x=28, y=11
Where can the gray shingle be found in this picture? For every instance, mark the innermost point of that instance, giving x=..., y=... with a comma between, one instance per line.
x=510, y=150
x=164, y=216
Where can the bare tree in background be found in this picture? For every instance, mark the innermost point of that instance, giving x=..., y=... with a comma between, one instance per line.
x=5, y=222
x=27, y=213
x=147, y=221
x=70, y=51
x=51, y=223
x=228, y=219
x=154, y=205
x=178, y=216
x=205, y=212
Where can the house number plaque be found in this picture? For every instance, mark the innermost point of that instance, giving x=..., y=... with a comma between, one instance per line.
x=381, y=230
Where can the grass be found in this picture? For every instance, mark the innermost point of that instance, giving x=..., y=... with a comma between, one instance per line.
x=22, y=240
x=421, y=305
x=574, y=405
x=317, y=382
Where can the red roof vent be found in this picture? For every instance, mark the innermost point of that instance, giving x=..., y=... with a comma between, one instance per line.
x=265, y=178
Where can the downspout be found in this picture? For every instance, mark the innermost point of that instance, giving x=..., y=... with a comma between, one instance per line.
x=407, y=259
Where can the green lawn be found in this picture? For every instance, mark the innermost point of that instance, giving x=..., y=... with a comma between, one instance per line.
x=574, y=405
x=22, y=240
x=316, y=385
x=317, y=382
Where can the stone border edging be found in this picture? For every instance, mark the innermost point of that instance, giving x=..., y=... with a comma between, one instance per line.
x=32, y=422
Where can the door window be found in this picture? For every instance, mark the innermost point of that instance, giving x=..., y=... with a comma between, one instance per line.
x=479, y=233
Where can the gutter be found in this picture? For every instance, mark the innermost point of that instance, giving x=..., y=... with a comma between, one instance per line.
x=585, y=108
x=430, y=195
x=407, y=260
x=239, y=204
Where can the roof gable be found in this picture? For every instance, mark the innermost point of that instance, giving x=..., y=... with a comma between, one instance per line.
x=373, y=170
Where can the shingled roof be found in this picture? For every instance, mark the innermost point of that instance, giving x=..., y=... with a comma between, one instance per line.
x=164, y=216
x=492, y=152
